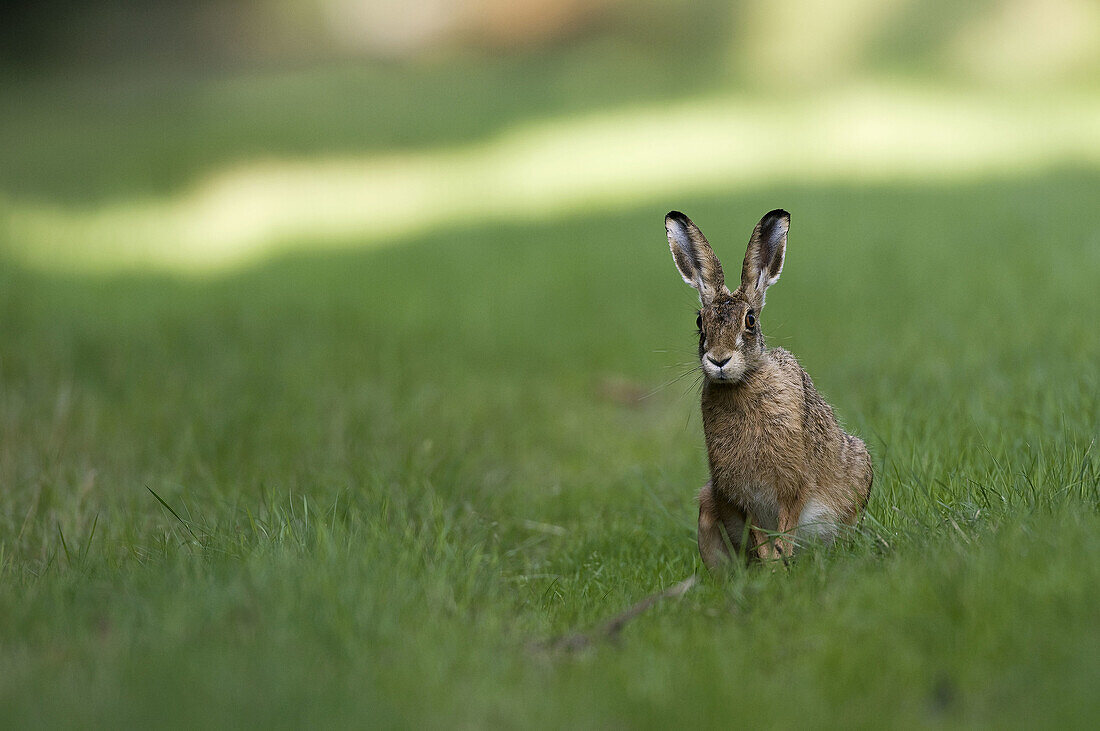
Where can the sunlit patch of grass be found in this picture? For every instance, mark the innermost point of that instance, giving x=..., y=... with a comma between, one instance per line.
x=607, y=161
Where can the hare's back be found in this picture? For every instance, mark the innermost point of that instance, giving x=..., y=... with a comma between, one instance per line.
x=838, y=464
x=815, y=412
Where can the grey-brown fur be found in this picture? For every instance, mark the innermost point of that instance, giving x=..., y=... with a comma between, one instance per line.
x=779, y=462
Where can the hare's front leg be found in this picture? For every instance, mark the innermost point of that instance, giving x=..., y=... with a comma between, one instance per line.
x=782, y=546
x=721, y=528
x=789, y=513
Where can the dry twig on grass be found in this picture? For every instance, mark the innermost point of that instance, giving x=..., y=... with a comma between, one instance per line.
x=612, y=627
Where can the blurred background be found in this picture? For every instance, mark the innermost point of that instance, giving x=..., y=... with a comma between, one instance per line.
x=198, y=135
x=342, y=355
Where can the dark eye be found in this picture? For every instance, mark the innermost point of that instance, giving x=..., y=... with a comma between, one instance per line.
x=699, y=322
x=750, y=320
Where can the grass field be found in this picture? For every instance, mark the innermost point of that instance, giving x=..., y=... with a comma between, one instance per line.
x=360, y=487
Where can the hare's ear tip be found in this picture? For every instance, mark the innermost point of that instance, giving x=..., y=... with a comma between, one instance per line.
x=777, y=213
x=675, y=216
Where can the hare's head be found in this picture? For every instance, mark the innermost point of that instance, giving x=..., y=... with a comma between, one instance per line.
x=730, y=341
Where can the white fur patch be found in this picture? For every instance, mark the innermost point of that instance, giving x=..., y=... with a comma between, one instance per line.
x=730, y=372
x=817, y=521
x=678, y=232
x=764, y=281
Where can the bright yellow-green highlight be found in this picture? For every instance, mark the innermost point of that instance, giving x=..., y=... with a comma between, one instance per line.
x=559, y=167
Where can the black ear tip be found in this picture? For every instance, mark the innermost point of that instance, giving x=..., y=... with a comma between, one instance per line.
x=777, y=213
x=675, y=216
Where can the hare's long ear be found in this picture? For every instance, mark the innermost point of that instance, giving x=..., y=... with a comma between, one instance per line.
x=764, y=258
x=693, y=256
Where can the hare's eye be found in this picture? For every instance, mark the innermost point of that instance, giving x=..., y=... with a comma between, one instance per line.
x=750, y=320
x=699, y=322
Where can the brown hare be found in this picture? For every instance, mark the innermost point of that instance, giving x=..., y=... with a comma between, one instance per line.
x=779, y=462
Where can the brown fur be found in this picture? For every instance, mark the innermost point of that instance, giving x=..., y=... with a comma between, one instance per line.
x=779, y=461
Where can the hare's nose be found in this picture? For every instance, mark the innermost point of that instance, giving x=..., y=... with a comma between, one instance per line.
x=718, y=363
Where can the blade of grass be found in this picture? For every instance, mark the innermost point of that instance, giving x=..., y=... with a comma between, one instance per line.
x=88, y=543
x=173, y=512
x=64, y=545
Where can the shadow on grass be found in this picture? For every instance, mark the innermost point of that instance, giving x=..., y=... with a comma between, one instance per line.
x=89, y=135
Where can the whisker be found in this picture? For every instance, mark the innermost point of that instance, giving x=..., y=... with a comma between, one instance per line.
x=695, y=383
x=672, y=381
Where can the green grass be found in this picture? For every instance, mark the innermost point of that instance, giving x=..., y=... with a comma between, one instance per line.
x=395, y=471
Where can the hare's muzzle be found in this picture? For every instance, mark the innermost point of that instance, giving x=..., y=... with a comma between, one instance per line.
x=726, y=366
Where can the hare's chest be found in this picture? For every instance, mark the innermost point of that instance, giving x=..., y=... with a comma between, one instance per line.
x=749, y=480
x=754, y=460
x=758, y=499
